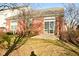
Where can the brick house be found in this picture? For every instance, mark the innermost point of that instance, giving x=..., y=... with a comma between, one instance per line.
x=44, y=21
x=48, y=21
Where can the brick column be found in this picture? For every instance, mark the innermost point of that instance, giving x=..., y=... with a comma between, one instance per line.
x=59, y=25
x=38, y=25
x=8, y=25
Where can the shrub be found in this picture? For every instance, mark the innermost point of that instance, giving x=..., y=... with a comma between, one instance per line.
x=9, y=33
x=70, y=36
x=5, y=40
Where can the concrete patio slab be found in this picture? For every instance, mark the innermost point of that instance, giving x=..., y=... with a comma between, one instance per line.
x=46, y=36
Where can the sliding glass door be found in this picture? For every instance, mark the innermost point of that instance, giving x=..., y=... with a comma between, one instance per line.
x=49, y=26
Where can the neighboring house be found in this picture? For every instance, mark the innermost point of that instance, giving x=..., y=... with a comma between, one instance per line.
x=6, y=24
x=44, y=21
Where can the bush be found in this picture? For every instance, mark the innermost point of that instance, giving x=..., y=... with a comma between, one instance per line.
x=5, y=40
x=9, y=33
x=34, y=33
x=71, y=36
x=2, y=34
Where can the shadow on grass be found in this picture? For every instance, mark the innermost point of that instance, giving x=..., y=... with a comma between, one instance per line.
x=68, y=46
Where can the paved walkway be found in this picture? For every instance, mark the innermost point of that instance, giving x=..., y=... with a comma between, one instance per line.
x=46, y=36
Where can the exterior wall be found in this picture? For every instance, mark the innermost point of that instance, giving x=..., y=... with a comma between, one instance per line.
x=21, y=26
x=38, y=25
x=5, y=14
x=8, y=25
x=59, y=25
x=1, y=30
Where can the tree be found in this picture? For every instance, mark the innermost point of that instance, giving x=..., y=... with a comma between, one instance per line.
x=26, y=15
x=71, y=17
x=71, y=14
x=19, y=39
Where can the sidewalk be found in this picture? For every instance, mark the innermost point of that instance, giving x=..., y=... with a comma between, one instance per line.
x=46, y=36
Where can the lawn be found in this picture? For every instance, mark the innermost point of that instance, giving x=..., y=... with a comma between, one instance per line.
x=46, y=47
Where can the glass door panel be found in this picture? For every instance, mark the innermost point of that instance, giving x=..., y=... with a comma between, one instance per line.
x=47, y=27
x=51, y=27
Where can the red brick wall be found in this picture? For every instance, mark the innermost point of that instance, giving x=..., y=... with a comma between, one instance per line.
x=8, y=25
x=38, y=25
x=21, y=26
x=1, y=30
x=59, y=25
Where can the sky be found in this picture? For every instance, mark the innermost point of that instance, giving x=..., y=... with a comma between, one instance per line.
x=43, y=5
x=46, y=5
x=34, y=5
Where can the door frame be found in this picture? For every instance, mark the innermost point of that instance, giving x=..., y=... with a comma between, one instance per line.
x=49, y=19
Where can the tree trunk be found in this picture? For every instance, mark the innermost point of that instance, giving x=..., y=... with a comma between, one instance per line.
x=13, y=46
x=10, y=50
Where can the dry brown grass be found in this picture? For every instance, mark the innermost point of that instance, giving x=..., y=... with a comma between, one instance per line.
x=43, y=47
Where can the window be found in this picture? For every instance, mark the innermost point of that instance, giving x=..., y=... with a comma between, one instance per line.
x=13, y=21
x=13, y=25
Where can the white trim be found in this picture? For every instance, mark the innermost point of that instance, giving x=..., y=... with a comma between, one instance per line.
x=49, y=20
x=49, y=17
